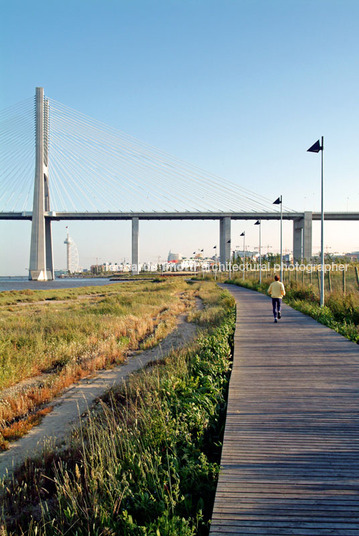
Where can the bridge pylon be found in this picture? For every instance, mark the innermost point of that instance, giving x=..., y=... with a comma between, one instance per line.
x=41, y=257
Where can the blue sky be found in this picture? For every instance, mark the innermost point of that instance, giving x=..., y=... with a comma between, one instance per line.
x=240, y=88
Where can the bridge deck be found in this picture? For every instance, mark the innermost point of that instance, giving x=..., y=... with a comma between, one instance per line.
x=287, y=215
x=290, y=460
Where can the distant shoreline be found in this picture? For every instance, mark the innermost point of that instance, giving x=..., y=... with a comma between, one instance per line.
x=22, y=283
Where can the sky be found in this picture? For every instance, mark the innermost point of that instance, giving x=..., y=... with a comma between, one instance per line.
x=241, y=88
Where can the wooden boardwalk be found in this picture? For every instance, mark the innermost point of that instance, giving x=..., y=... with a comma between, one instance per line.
x=290, y=459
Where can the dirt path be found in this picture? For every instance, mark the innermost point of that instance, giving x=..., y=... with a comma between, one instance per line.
x=77, y=399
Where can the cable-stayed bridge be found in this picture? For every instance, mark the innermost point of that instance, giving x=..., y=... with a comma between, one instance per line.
x=86, y=170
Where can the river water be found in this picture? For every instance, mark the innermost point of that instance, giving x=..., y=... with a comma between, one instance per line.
x=22, y=283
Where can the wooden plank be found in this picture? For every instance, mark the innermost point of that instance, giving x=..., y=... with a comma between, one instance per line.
x=289, y=523
x=290, y=457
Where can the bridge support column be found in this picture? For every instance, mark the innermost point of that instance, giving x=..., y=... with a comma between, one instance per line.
x=302, y=238
x=135, y=227
x=41, y=259
x=224, y=239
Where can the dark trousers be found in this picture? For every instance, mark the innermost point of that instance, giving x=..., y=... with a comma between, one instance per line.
x=276, y=303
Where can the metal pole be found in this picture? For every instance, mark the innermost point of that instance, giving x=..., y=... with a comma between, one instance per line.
x=135, y=257
x=244, y=253
x=281, y=238
x=259, y=223
x=260, y=252
x=322, y=229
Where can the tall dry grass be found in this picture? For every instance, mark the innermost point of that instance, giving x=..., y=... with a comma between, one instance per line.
x=61, y=340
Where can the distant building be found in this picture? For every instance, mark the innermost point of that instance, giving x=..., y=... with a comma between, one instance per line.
x=110, y=267
x=238, y=253
x=352, y=256
x=173, y=257
x=288, y=257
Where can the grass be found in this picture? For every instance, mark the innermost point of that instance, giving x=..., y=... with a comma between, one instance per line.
x=334, y=281
x=63, y=336
x=341, y=311
x=146, y=460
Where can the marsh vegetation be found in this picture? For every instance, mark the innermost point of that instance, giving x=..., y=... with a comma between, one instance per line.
x=146, y=459
x=51, y=339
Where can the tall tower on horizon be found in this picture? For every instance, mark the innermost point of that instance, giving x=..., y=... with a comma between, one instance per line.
x=72, y=254
x=68, y=243
x=41, y=258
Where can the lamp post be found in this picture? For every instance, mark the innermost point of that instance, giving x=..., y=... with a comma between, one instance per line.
x=315, y=148
x=215, y=260
x=230, y=263
x=201, y=258
x=244, y=249
x=258, y=222
x=194, y=265
x=279, y=201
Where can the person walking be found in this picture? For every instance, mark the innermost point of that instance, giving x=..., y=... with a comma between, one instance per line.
x=277, y=291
